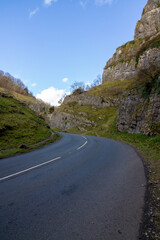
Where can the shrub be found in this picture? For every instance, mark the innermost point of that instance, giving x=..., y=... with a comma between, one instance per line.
x=148, y=80
x=78, y=91
x=51, y=109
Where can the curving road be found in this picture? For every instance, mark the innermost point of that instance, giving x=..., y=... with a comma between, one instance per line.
x=79, y=188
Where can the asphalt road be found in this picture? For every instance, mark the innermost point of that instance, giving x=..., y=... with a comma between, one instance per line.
x=79, y=188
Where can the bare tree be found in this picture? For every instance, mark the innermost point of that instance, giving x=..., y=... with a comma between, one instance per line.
x=60, y=101
x=77, y=85
x=12, y=84
x=97, y=81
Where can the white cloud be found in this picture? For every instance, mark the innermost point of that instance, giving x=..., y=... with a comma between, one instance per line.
x=103, y=2
x=83, y=3
x=52, y=95
x=32, y=13
x=65, y=80
x=49, y=2
x=33, y=85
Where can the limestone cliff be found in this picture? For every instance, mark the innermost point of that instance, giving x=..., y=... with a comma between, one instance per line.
x=65, y=120
x=150, y=21
x=86, y=99
x=139, y=115
x=145, y=47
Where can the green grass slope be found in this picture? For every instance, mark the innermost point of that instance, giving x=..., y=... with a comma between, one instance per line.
x=19, y=124
x=112, y=88
x=28, y=100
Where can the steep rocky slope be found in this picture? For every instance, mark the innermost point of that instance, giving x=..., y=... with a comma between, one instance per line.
x=137, y=114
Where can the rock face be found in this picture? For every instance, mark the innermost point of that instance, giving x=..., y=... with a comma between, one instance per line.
x=65, y=120
x=121, y=71
x=151, y=5
x=148, y=58
x=137, y=115
x=84, y=99
x=124, y=65
x=150, y=21
x=38, y=107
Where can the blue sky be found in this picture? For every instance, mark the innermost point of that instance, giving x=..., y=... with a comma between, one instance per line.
x=49, y=44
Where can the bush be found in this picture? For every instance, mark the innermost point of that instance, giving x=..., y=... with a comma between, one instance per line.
x=148, y=80
x=51, y=109
x=78, y=91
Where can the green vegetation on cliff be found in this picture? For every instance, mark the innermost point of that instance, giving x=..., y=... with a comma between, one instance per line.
x=112, y=88
x=125, y=53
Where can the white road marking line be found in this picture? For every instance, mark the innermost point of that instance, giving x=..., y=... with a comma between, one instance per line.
x=84, y=137
x=29, y=169
x=83, y=144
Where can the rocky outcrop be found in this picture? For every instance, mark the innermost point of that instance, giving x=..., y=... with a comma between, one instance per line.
x=150, y=21
x=150, y=57
x=39, y=107
x=71, y=119
x=139, y=115
x=127, y=68
x=151, y=5
x=85, y=99
x=65, y=120
x=120, y=71
x=124, y=64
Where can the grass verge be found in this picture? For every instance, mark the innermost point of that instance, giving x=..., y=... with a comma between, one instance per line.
x=15, y=151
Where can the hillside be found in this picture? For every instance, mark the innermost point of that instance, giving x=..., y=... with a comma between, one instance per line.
x=16, y=88
x=23, y=118
x=126, y=106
